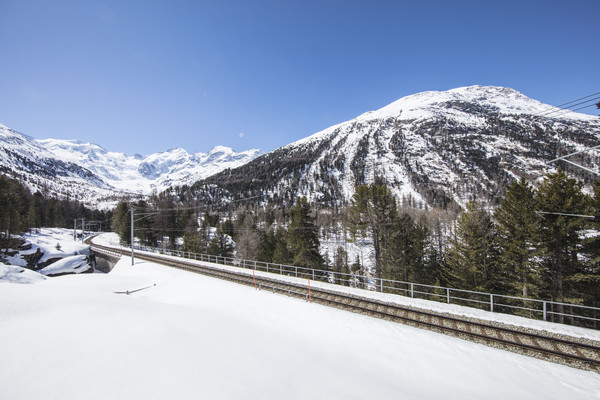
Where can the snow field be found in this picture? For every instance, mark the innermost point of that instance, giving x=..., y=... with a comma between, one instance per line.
x=193, y=337
x=440, y=307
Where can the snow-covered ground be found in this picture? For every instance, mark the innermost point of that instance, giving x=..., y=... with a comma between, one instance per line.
x=57, y=248
x=111, y=239
x=190, y=337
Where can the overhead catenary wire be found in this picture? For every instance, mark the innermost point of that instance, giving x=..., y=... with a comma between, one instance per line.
x=565, y=107
x=563, y=111
x=568, y=215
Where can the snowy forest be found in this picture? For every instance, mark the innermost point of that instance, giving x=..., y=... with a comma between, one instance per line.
x=21, y=211
x=539, y=243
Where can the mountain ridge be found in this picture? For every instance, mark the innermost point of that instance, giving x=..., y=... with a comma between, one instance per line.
x=69, y=168
x=431, y=148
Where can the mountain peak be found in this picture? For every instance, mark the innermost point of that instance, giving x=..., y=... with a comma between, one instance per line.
x=90, y=172
x=431, y=149
x=221, y=149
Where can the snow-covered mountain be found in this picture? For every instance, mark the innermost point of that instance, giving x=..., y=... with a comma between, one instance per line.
x=431, y=148
x=70, y=168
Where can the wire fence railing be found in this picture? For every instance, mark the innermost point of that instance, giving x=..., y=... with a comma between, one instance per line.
x=547, y=310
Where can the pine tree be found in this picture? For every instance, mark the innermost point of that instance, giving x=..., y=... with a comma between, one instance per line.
x=340, y=263
x=588, y=281
x=559, y=233
x=143, y=224
x=372, y=213
x=121, y=222
x=399, y=253
x=221, y=244
x=266, y=246
x=518, y=228
x=425, y=265
x=472, y=255
x=303, y=237
x=281, y=252
x=194, y=243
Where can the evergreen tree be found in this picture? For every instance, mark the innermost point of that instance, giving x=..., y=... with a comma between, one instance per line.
x=281, y=252
x=303, y=237
x=424, y=264
x=340, y=263
x=266, y=246
x=165, y=223
x=194, y=243
x=39, y=210
x=399, y=254
x=221, y=244
x=518, y=228
x=371, y=214
x=472, y=255
x=559, y=233
x=193, y=240
x=143, y=225
x=591, y=245
x=7, y=209
x=121, y=222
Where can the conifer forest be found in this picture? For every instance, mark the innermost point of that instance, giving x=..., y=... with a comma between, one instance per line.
x=539, y=242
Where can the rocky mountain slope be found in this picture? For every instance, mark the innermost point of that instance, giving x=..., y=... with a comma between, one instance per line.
x=431, y=148
x=69, y=168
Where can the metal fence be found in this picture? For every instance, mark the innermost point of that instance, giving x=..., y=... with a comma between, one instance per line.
x=565, y=313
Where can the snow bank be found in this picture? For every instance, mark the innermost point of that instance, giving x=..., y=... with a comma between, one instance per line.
x=67, y=265
x=53, y=248
x=15, y=274
x=191, y=337
x=407, y=301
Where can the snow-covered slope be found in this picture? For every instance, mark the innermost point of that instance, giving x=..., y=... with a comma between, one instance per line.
x=92, y=173
x=192, y=337
x=431, y=148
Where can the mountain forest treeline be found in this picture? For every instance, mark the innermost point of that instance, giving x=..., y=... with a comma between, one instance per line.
x=540, y=243
x=21, y=211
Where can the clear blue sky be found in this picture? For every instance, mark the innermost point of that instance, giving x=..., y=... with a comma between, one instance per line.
x=145, y=76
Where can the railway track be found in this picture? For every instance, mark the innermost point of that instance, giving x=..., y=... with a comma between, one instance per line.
x=571, y=351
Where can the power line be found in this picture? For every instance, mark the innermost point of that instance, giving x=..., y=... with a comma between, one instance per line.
x=568, y=215
x=565, y=107
x=560, y=111
x=581, y=98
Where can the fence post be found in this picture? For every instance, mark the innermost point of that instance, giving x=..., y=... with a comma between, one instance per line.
x=491, y=302
x=545, y=311
x=448, y=295
x=412, y=290
x=280, y=269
